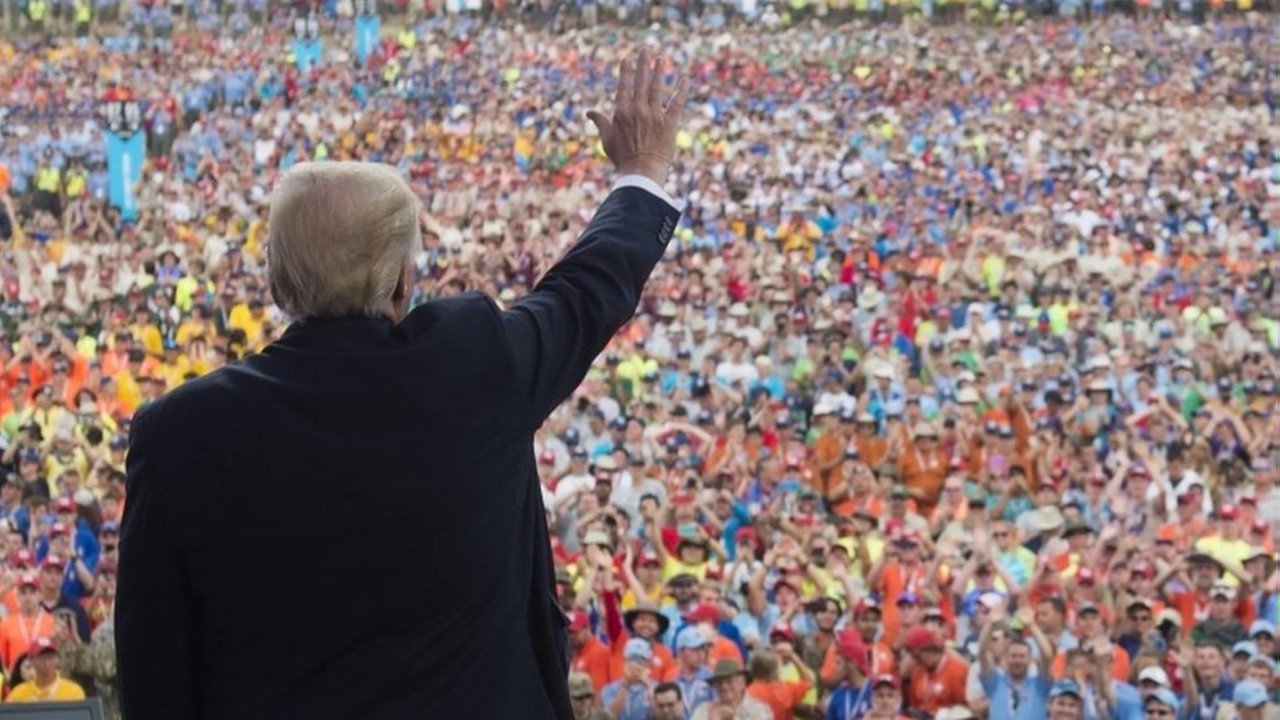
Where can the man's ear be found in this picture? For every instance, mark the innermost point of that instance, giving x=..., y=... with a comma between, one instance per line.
x=404, y=283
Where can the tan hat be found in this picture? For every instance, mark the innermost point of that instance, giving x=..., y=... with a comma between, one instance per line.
x=580, y=686
x=924, y=430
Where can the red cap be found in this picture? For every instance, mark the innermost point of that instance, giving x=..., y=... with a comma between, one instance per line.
x=867, y=605
x=43, y=645
x=57, y=529
x=850, y=646
x=886, y=679
x=1228, y=512
x=53, y=561
x=783, y=582
x=1259, y=526
x=746, y=533
x=22, y=558
x=715, y=572
x=921, y=638
x=648, y=557
x=1144, y=569
x=1085, y=576
x=28, y=579
x=704, y=612
x=682, y=499
x=1186, y=498
x=579, y=620
x=64, y=505
x=782, y=631
x=547, y=457
x=793, y=461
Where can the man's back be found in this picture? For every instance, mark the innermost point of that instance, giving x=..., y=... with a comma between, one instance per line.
x=348, y=524
x=380, y=481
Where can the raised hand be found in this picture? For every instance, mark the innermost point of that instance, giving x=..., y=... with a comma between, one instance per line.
x=640, y=138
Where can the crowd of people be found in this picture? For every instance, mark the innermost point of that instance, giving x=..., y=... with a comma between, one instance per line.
x=954, y=396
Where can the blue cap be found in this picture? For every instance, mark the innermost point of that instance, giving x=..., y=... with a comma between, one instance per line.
x=1065, y=686
x=1163, y=696
x=1262, y=627
x=691, y=639
x=1250, y=694
x=637, y=649
x=1244, y=647
x=908, y=598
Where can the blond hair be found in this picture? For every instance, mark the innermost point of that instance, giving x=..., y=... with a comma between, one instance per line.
x=339, y=235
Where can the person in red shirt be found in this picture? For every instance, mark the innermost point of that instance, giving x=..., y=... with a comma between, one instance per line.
x=590, y=656
x=937, y=676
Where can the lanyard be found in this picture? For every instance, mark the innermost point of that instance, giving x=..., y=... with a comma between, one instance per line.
x=28, y=631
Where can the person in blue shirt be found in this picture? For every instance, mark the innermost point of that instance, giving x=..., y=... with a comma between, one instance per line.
x=1013, y=691
x=629, y=698
x=693, y=677
x=854, y=696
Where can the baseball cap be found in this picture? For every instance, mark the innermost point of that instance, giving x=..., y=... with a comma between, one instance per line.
x=43, y=645
x=1154, y=674
x=1262, y=627
x=1221, y=589
x=866, y=605
x=28, y=579
x=704, y=612
x=52, y=561
x=691, y=639
x=1250, y=694
x=1247, y=648
x=578, y=620
x=580, y=686
x=921, y=638
x=783, y=631
x=637, y=649
x=1063, y=687
x=64, y=504
x=908, y=598
x=1163, y=696
x=886, y=679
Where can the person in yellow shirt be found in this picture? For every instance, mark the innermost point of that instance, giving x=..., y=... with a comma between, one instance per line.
x=146, y=332
x=251, y=318
x=48, y=685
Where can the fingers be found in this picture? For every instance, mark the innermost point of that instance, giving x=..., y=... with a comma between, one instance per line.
x=641, y=77
x=657, y=84
x=675, y=106
x=626, y=84
x=601, y=122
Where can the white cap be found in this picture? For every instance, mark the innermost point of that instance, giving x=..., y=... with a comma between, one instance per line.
x=1156, y=675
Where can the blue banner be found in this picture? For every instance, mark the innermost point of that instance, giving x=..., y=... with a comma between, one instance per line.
x=307, y=53
x=125, y=157
x=368, y=34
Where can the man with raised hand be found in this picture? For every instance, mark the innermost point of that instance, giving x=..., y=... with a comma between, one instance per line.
x=389, y=457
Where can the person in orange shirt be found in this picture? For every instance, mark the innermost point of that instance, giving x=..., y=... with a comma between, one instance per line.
x=782, y=697
x=900, y=571
x=645, y=622
x=872, y=448
x=590, y=656
x=924, y=466
x=1091, y=631
x=705, y=618
x=30, y=623
x=937, y=676
x=866, y=616
x=828, y=458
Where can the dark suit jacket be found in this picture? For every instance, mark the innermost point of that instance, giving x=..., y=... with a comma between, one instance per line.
x=349, y=525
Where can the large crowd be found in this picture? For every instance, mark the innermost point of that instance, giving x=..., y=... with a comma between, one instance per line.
x=955, y=395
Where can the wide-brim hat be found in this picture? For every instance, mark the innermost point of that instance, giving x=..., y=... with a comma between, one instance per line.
x=629, y=617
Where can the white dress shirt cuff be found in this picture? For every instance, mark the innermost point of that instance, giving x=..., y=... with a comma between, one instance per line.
x=644, y=183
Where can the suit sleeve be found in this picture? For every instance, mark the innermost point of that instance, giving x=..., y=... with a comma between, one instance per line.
x=156, y=650
x=554, y=333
